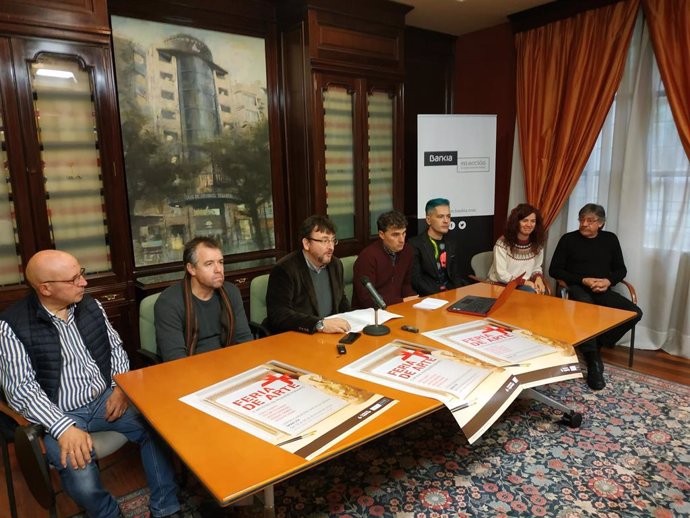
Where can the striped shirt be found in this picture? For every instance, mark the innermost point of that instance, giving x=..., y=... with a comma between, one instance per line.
x=80, y=379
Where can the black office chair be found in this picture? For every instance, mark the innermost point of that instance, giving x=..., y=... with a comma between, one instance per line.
x=562, y=290
x=7, y=427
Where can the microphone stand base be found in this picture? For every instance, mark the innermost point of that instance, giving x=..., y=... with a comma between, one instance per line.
x=376, y=330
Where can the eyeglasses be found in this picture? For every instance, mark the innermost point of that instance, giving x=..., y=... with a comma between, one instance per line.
x=324, y=241
x=588, y=221
x=74, y=280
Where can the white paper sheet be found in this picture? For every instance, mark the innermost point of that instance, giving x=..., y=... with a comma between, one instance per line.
x=360, y=318
x=430, y=303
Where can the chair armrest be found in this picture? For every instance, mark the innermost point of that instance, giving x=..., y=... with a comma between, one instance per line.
x=13, y=414
x=258, y=330
x=28, y=446
x=562, y=289
x=631, y=289
x=150, y=358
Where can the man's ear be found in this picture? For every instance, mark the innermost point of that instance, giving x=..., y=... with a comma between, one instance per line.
x=190, y=269
x=305, y=243
x=44, y=290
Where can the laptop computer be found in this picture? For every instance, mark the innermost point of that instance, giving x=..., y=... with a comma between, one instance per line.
x=482, y=306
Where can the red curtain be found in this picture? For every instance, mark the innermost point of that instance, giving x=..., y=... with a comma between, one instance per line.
x=669, y=28
x=567, y=75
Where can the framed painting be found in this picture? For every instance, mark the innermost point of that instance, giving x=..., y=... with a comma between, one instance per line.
x=195, y=129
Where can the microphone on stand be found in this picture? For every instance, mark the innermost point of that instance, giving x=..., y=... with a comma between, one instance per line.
x=375, y=329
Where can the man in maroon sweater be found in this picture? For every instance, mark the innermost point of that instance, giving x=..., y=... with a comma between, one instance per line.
x=387, y=263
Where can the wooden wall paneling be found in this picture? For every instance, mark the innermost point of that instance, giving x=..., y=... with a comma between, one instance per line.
x=323, y=40
x=15, y=162
x=72, y=15
x=250, y=17
x=429, y=66
x=485, y=84
x=338, y=39
x=297, y=129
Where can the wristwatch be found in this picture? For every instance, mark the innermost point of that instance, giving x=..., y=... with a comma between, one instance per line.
x=319, y=326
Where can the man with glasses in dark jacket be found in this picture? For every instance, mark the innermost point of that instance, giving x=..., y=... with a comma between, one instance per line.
x=307, y=285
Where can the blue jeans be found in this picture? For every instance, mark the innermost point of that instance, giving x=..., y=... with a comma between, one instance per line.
x=84, y=485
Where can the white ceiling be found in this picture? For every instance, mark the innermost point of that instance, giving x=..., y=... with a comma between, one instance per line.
x=462, y=16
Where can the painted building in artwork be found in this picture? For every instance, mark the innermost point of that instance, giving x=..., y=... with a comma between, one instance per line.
x=190, y=100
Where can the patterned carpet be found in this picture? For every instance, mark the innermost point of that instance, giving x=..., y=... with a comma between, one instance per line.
x=631, y=457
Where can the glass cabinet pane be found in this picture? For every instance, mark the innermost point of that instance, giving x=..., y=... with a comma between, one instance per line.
x=10, y=260
x=67, y=133
x=380, y=127
x=339, y=159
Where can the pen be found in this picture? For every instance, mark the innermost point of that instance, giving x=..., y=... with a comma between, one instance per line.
x=464, y=405
x=298, y=438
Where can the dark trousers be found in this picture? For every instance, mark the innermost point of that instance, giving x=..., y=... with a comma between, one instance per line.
x=610, y=299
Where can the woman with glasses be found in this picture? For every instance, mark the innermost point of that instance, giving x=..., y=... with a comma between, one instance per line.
x=521, y=250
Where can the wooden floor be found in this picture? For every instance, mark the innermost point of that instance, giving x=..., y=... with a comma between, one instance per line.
x=657, y=363
x=123, y=473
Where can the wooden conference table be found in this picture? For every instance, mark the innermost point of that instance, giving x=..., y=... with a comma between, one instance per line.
x=233, y=464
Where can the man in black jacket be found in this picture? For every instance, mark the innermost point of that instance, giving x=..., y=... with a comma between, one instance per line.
x=590, y=261
x=436, y=266
x=307, y=285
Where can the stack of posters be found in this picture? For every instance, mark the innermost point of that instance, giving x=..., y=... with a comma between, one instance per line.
x=490, y=365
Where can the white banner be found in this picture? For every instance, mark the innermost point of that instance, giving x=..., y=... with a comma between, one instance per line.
x=457, y=161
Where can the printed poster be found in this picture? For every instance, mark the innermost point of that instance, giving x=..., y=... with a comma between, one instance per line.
x=496, y=343
x=297, y=410
x=475, y=392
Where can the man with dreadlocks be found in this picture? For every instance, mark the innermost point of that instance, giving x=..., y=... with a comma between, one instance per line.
x=202, y=312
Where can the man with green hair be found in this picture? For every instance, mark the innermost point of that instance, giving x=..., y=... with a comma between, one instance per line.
x=436, y=265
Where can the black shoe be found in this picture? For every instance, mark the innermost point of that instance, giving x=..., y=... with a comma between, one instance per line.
x=595, y=374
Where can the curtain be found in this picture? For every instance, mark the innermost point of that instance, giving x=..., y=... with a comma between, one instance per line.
x=669, y=27
x=639, y=171
x=567, y=75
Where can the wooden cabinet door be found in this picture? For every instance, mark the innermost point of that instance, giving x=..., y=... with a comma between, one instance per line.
x=64, y=187
x=358, y=141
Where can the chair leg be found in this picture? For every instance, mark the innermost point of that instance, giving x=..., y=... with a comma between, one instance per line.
x=632, y=348
x=8, y=479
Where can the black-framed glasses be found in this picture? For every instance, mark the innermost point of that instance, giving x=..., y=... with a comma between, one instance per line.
x=324, y=241
x=74, y=280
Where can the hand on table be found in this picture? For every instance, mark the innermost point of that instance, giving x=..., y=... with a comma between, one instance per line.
x=335, y=325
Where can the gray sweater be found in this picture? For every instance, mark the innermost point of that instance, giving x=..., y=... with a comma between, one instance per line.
x=170, y=318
